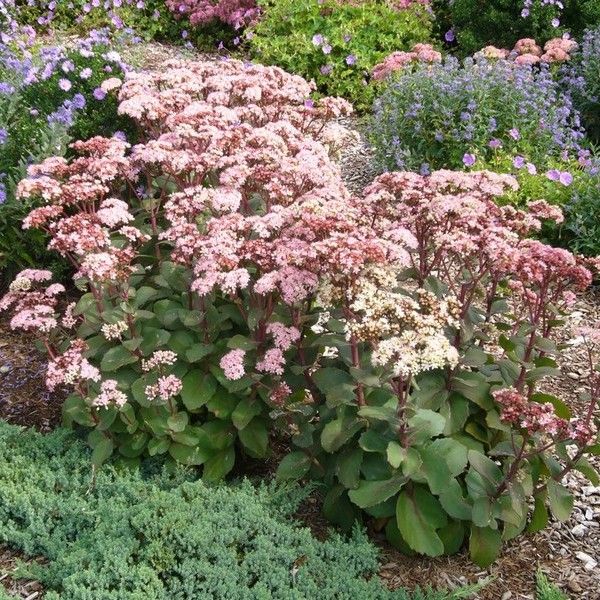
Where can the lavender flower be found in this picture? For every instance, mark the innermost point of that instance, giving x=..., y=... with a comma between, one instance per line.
x=469, y=160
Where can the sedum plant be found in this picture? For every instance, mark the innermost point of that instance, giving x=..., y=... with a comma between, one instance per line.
x=433, y=417
x=234, y=289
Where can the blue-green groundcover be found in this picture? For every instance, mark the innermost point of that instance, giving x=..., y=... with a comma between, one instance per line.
x=150, y=534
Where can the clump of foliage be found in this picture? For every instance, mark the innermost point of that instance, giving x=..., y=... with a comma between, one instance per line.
x=130, y=535
x=581, y=77
x=234, y=289
x=450, y=114
x=48, y=95
x=237, y=13
x=546, y=590
x=472, y=25
x=336, y=44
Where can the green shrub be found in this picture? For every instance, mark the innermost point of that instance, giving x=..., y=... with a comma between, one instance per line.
x=438, y=116
x=131, y=535
x=477, y=24
x=581, y=77
x=360, y=36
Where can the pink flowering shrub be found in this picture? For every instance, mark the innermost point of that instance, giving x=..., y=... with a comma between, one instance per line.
x=398, y=61
x=235, y=289
x=527, y=52
x=237, y=13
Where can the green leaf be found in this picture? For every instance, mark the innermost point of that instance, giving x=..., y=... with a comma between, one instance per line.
x=372, y=441
x=473, y=386
x=241, y=342
x=255, y=437
x=178, y=422
x=379, y=413
x=245, y=411
x=454, y=502
x=484, y=545
x=217, y=466
x=198, y=388
x=560, y=500
x=435, y=470
x=102, y=450
x=76, y=410
x=370, y=493
x=337, y=385
x=585, y=467
x=394, y=537
x=222, y=404
x=348, y=467
x=293, y=466
x=197, y=352
x=189, y=455
x=395, y=454
x=539, y=517
x=453, y=452
x=158, y=446
x=338, y=509
x=418, y=515
x=153, y=338
x=487, y=468
x=115, y=358
x=424, y=425
x=337, y=432
x=452, y=536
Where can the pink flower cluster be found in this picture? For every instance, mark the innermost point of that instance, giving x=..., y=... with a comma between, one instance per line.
x=34, y=307
x=459, y=226
x=167, y=387
x=527, y=52
x=237, y=13
x=398, y=61
x=71, y=368
x=540, y=418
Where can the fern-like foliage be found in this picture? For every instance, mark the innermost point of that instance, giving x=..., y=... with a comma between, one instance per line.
x=158, y=535
x=546, y=590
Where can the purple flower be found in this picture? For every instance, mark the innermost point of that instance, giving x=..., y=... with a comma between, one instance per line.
x=99, y=94
x=65, y=85
x=531, y=169
x=326, y=70
x=350, y=59
x=553, y=175
x=317, y=39
x=2, y=193
x=469, y=160
x=347, y=38
x=3, y=136
x=514, y=134
x=555, y=22
x=85, y=73
x=566, y=178
x=309, y=103
x=525, y=13
x=518, y=162
x=449, y=36
x=326, y=49
x=495, y=144
x=78, y=101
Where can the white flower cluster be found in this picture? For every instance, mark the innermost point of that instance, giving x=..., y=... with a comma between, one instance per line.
x=114, y=331
x=406, y=329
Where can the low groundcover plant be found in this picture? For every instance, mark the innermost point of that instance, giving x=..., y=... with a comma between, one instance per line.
x=235, y=289
x=158, y=536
